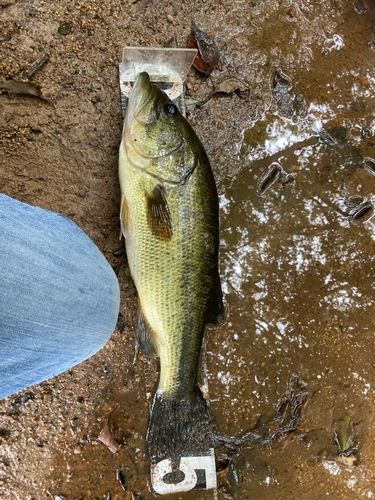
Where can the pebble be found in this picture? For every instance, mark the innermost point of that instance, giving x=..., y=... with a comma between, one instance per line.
x=64, y=29
x=170, y=18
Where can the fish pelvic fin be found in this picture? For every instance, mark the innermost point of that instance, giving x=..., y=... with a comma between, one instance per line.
x=179, y=425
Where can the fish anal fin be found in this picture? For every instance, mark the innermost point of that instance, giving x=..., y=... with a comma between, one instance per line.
x=146, y=337
x=159, y=217
x=124, y=217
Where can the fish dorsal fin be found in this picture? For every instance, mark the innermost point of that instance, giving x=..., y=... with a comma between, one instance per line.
x=124, y=217
x=217, y=308
x=159, y=217
x=146, y=336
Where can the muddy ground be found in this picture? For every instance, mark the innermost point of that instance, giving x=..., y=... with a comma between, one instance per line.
x=60, y=151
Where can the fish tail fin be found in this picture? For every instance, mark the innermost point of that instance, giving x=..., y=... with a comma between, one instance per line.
x=179, y=424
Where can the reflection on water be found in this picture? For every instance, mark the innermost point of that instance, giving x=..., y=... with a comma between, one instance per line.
x=297, y=262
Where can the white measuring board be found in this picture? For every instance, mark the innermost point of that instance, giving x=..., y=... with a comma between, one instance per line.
x=189, y=466
x=167, y=68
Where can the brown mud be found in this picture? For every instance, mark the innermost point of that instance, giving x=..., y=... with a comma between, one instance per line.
x=295, y=357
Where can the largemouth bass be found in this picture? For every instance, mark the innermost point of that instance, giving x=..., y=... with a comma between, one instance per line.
x=170, y=220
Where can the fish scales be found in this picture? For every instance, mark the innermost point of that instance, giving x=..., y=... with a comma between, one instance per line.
x=168, y=275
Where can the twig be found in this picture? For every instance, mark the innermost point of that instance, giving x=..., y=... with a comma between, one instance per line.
x=38, y=66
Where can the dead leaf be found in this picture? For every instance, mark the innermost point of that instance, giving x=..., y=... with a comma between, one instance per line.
x=222, y=472
x=228, y=86
x=281, y=437
x=208, y=55
x=16, y=87
x=231, y=85
x=106, y=438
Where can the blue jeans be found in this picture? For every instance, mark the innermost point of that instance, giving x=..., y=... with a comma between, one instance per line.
x=59, y=297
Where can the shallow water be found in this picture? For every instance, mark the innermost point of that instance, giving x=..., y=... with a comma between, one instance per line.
x=297, y=258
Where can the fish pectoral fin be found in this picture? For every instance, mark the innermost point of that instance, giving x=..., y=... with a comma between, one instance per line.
x=217, y=308
x=146, y=336
x=124, y=217
x=159, y=217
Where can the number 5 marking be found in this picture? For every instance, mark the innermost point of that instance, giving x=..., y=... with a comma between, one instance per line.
x=188, y=465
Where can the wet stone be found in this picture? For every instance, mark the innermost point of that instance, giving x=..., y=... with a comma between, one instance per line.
x=64, y=29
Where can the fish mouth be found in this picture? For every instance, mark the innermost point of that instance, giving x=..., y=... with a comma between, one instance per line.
x=140, y=95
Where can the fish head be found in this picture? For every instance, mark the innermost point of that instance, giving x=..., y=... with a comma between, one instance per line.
x=156, y=136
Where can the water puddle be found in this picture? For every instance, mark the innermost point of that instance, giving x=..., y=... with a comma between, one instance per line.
x=297, y=257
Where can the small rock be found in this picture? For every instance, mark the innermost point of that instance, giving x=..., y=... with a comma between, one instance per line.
x=21, y=400
x=121, y=325
x=64, y=29
x=170, y=18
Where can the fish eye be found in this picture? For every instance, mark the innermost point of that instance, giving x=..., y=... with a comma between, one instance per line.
x=170, y=109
